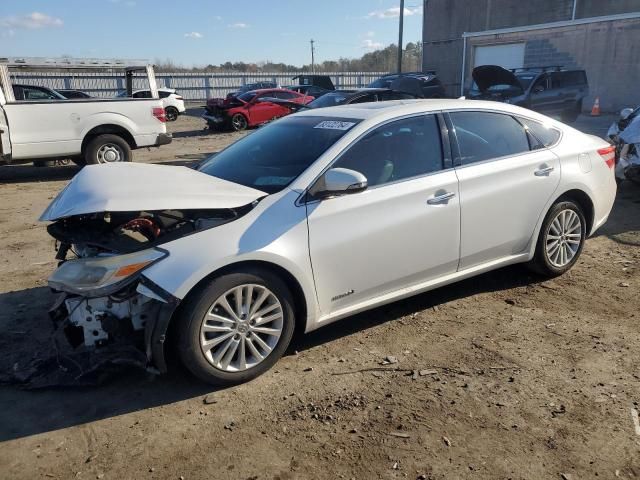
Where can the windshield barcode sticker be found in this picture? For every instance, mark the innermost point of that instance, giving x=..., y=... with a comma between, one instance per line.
x=335, y=125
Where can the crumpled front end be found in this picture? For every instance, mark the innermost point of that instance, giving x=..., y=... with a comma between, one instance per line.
x=104, y=297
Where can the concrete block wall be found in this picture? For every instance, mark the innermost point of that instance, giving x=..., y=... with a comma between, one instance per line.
x=608, y=51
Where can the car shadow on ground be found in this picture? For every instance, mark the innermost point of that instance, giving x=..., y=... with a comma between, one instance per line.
x=623, y=225
x=25, y=332
x=29, y=173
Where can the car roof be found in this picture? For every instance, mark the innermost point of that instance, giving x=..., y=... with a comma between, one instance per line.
x=396, y=108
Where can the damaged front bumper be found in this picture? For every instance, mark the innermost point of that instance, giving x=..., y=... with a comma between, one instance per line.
x=138, y=314
x=214, y=119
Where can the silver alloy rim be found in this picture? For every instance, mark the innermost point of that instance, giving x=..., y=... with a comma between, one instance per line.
x=564, y=237
x=241, y=328
x=110, y=152
x=239, y=122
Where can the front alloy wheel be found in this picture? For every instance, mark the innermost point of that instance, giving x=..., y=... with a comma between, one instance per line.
x=236, y=326
x=241, y=328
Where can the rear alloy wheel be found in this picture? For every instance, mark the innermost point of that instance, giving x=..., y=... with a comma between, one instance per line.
x=561, y=239
x=236, y=327
x=239, y=122
x=171, y=113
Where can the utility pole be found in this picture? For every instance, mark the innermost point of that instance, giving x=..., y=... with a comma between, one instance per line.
x=400, y=36
x=313, y=61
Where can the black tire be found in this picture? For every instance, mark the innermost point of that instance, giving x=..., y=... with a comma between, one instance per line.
x=191, y=317
x=239, y=122
x=44, y=163
x=541, y=262
x=572, y=115
x=95, y=151
x=78, y=160
x=171, y=113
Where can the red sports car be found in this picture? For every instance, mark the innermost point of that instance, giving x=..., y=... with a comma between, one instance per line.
x=251, y=108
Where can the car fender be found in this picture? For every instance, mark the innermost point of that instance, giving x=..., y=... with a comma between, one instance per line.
x=273, y=233
x=109, y=118
x=562, y=189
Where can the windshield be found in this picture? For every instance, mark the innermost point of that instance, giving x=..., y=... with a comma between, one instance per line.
x=381, y=83
x=525, y=80
x=329, y=100
x=273, y=156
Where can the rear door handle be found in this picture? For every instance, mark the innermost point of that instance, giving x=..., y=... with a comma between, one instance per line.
x=543, y=171
x=443, y=198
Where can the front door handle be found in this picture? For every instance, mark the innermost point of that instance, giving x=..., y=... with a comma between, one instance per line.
x=440, y=199
x=543, y=171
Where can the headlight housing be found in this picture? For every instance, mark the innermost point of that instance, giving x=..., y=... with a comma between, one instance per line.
x=99, y=276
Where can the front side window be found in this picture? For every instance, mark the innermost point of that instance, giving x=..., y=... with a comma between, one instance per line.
x=273, y=156
x=485, y=135
x=396, y=151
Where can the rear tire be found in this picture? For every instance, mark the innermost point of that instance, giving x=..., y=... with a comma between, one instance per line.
x=198, y=329
x=171, y=113
x=572, y=115
x=107, y=148
x=561, y=239
x=44, y=163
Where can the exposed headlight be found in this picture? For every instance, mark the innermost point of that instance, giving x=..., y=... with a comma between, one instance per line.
x=99, y=276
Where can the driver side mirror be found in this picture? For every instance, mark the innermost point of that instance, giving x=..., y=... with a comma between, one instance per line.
x=339, y=181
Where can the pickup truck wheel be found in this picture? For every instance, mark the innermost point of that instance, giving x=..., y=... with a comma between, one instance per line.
x=107, y=149
x=235, y=327
x=171, y=113
x=239, y=122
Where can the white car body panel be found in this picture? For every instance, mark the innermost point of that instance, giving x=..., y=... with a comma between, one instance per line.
x=503, y=195
x=123, y=187
x=384, y=239
x=385, y=243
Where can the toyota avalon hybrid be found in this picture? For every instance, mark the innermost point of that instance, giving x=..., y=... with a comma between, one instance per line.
x=315, y=217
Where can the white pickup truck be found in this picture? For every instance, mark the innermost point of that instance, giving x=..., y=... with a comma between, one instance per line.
x=36, y=127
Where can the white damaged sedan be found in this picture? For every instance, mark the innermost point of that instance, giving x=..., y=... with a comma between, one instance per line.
x=313, y=218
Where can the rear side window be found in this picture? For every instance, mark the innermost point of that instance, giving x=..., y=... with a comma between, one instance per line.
x=163, y=94
x=485, y=135
x=547, y=136
x=396, y=151
x=574, y=78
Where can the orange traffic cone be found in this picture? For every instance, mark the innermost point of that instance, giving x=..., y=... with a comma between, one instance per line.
x=595, y=111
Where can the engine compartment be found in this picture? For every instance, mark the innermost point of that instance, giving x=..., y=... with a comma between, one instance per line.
x=111, y=233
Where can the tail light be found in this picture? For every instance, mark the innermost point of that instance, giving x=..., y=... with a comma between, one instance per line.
x=608, y=154
x=179, y=97
x=159, y=113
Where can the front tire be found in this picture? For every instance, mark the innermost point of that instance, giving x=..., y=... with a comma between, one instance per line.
x=107, y=149
x=561, y=239
x=235, y=327
x=171, y=113
x=239, y=122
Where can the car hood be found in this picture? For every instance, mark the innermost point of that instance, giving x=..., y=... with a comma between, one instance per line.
x=487, y=76
x=125, y=187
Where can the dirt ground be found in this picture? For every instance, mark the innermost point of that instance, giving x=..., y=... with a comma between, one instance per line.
x=501, y=376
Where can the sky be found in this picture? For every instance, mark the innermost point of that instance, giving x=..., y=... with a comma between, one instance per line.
x=201, y=32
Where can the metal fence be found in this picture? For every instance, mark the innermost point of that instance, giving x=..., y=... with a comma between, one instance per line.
x=192, y=86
